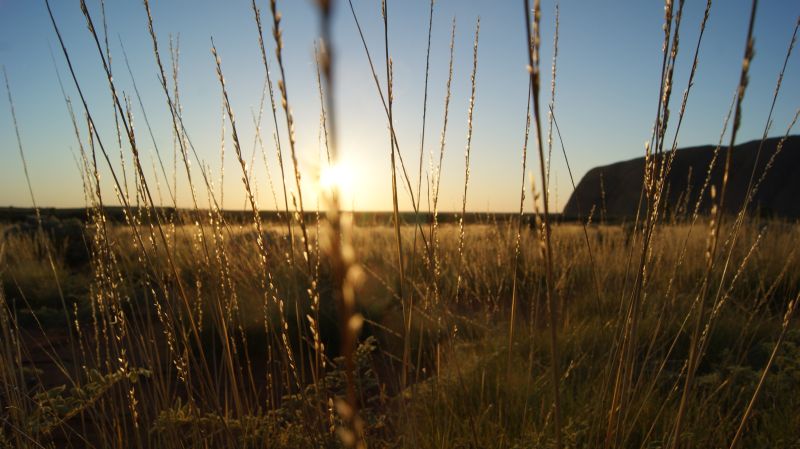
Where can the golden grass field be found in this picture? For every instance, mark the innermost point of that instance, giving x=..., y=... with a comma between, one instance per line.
x=133, y=364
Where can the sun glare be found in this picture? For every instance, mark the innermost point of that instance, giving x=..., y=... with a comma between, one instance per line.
x=339, y=176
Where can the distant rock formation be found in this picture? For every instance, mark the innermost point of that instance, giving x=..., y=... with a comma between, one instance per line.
x=613, y=190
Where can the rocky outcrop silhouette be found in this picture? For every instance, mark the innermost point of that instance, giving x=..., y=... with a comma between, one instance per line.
x=614, y=190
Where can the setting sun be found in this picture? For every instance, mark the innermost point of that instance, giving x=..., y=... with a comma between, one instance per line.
x=340, y=176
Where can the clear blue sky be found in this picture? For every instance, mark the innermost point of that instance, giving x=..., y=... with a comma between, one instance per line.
x=607, y=88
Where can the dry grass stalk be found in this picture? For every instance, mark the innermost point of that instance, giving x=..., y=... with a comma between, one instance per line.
x=552, y=302
x=787, y=319
x=650, y=194
x=552, y=104
x=40, y=233
x=170, y=189
x=347, y=275
x=436, y=176
x=428, y=262
x=393, y=151
x=156, y=231
x=584, y=224
x=694, y=354
x=518, y=239
x=752, y=188
x=396, y=145
x=467, y=151
x=278, y=150
x=270, y=291
x=424, y=109
x=300, y=215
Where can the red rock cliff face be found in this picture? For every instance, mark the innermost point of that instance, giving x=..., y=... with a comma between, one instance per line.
x=778, y=195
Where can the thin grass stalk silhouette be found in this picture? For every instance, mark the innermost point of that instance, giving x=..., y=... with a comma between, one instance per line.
x=467, y=151
x=518, y=237
x=717, y=221
x=399, y=154
x=392, y=152
x=437, y=176
x=533, y=69
x=346, y=274
x=278, y=150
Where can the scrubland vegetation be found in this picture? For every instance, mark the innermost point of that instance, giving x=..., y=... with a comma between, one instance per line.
x=194, y=329
x=133, y=363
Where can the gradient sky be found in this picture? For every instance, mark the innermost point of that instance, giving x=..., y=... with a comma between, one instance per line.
x=607, y=89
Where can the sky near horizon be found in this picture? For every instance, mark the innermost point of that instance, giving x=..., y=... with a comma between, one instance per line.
x=607, y=85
